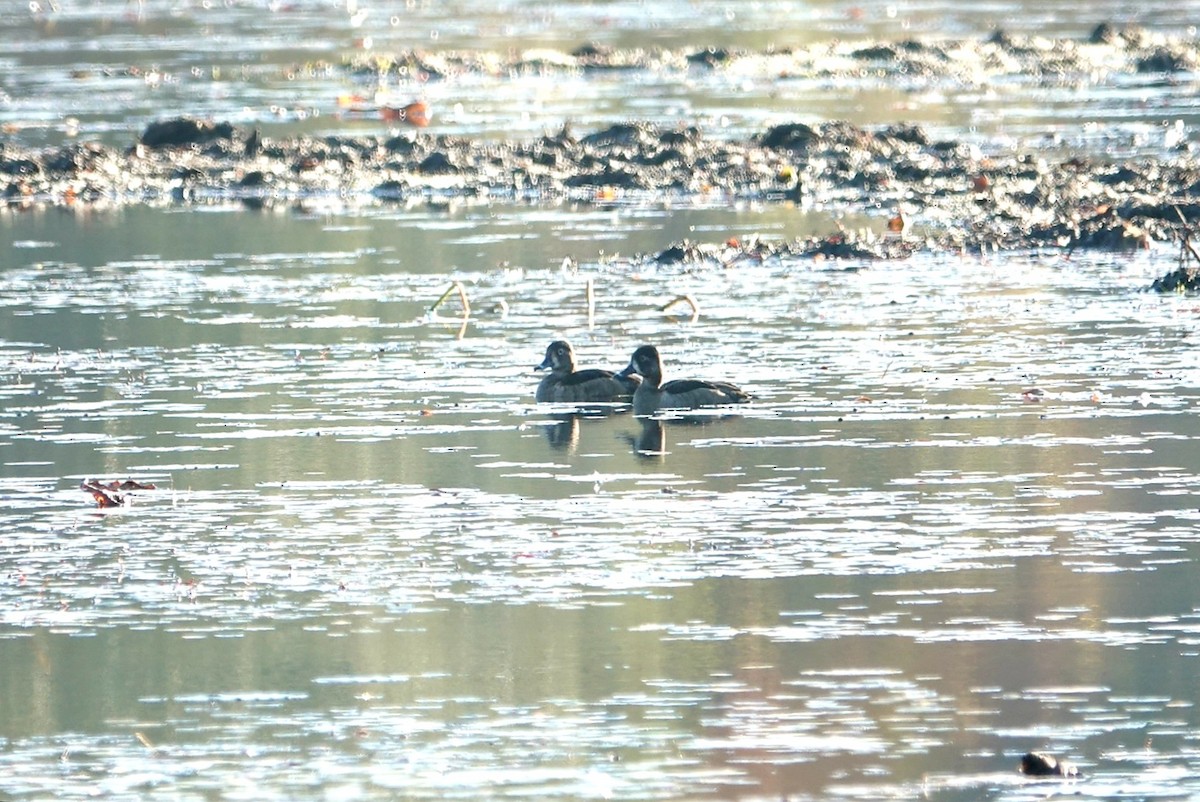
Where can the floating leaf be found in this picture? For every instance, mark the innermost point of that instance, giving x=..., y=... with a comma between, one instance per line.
x=106, y=493
x=415, y=114
x=104, y=498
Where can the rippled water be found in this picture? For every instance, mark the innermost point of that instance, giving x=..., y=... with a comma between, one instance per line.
x=103, y=69
x=957, y=522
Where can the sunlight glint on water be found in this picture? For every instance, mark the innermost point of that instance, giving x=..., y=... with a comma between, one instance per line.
x=895, y=571
x=956, y=523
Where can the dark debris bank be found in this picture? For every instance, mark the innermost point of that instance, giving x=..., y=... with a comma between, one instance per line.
x=983, y=203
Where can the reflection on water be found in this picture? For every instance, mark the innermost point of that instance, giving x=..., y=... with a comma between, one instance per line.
x=372, y=565
x=562, y=433
x=651, y=439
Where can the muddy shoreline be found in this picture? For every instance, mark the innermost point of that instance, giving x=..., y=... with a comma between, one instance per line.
x=943, y=195
x=936, y=195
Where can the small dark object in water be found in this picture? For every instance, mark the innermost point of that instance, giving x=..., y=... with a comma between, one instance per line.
x=625, y=135
x=438, y=163
x=183, y=131
x=254, y=178
x=608, y=177
x=389, y=190
x=709, y=57
x=1183, y=279
x=790, y=136
x=19, y=167
x=1164, y=60
x=882, y=52
x=252, y=145
x=1041, y=764
x=400, y=145
x=1104, y=34
x=675, y=254
x=593, y=52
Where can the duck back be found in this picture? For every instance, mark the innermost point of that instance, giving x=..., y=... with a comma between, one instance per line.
x=591, y=385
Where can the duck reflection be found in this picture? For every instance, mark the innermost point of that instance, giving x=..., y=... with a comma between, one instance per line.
x=563, y=434
x=650, y=442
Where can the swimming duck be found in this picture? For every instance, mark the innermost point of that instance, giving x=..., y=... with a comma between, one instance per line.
x=565, y=384
x=652, y=395
x=1041, y=764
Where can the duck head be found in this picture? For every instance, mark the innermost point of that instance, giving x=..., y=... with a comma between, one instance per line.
x=646, y=363
x=560, y=357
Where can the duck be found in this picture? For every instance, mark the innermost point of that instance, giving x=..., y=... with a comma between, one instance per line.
x=652, y=394
x=564, y=384
x=1042, y=764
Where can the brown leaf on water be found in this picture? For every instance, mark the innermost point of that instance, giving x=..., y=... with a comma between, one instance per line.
x=106, y=493
x=415, y=114
x=104, y=498
x=896, y=224
x=129, y=484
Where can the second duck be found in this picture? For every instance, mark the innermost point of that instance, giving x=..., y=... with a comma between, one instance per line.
x=652, y=394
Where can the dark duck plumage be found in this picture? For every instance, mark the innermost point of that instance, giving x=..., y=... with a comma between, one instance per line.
x=1041, y=764
x=652, y=394
x=566, y=385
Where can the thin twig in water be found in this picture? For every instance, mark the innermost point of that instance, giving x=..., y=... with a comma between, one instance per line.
x=466, y=305
x=462, y=294
x=591, y=303
x=1185, y=246
x=683, y=299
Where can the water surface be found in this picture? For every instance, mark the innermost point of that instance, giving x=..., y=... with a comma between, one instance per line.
x=956, y=523
x=104, y=69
